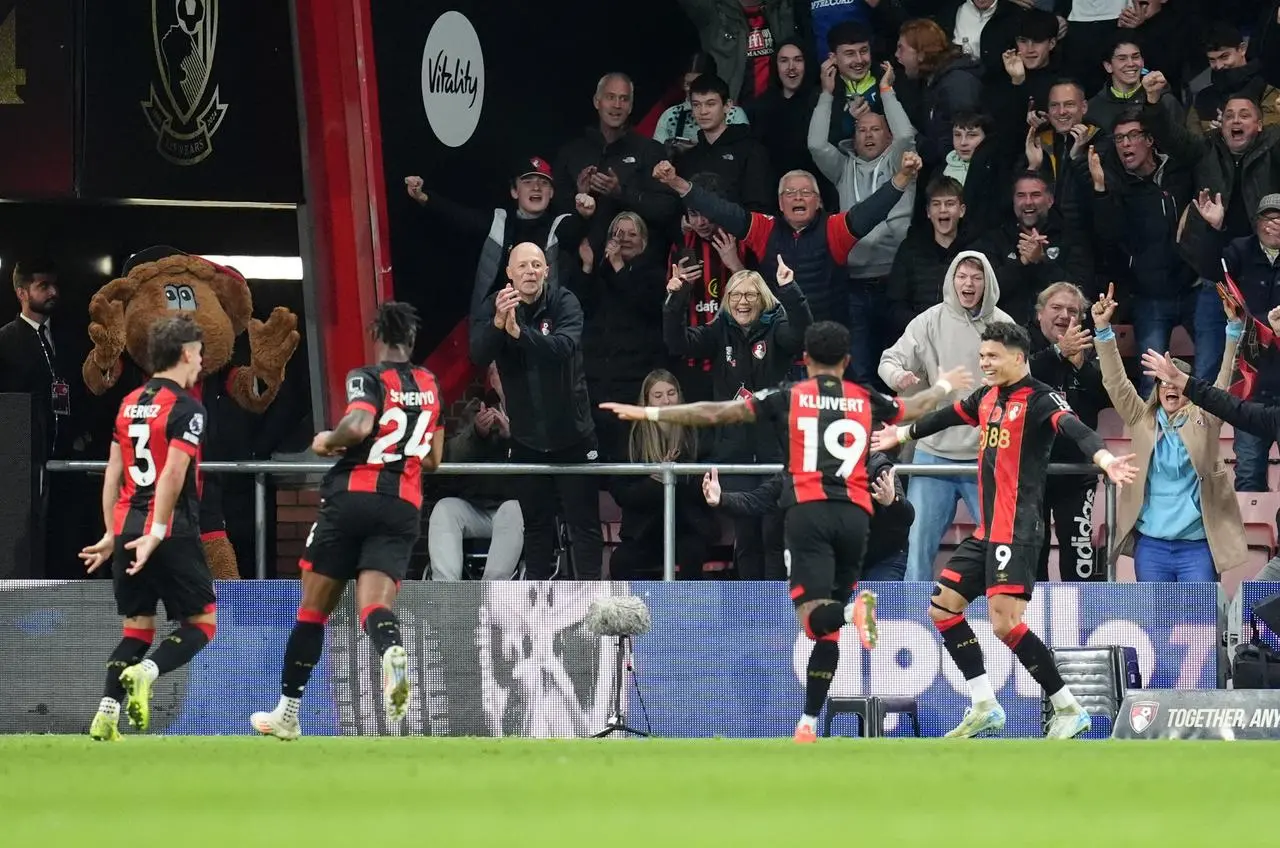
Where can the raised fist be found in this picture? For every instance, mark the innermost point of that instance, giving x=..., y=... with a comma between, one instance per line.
x=665, y=173
x=413, y=186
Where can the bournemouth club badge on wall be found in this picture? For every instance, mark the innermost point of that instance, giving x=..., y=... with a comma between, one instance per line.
x=183, y=109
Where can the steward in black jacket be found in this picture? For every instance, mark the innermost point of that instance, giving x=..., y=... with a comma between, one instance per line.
x=542, y=370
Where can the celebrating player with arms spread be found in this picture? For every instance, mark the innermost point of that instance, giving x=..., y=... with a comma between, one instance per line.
x=1017, y=418
x=370, y=516
x=825, y=423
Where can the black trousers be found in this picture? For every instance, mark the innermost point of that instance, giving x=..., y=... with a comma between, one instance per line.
x=641, y=559
x=1069, y=502
x=578, y=499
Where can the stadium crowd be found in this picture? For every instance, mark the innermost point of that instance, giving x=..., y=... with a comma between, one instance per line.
x=914, y=170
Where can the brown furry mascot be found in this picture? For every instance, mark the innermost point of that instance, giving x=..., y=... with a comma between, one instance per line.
x=161, y=281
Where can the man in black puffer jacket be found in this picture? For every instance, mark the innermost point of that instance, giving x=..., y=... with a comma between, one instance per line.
x=534, y=334
x=1059, y=360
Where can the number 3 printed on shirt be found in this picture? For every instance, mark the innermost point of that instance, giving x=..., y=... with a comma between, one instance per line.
x=384, y=450
x=833, y=440
x=143, y=469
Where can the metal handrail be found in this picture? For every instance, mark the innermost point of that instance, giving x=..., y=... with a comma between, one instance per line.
x=667, y=470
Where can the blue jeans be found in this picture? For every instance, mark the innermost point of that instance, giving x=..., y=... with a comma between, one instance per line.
x=934, y=499
x=1184, y=561
x=1252, y=452
x=890, y=569
x=1200, y=311
x=869, y=322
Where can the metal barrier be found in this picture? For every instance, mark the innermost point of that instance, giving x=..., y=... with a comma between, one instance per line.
x=667, y=470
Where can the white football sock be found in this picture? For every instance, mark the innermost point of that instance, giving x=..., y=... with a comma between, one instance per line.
x=109, y=706
x=150, y=669
x=1064, y=701
x=810, y=722
x=288, y=708
x=980, y=690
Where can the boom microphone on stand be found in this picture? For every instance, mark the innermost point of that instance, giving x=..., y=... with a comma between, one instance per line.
x=620, y=617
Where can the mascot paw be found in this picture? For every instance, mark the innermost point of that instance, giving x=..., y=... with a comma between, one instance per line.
x=106, y=331
x=221, y=558
x=272, y=344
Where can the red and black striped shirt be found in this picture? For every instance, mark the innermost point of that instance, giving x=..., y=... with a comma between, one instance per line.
x=152, y=419
x=404, y=400
x=826, y=425
x=1016, y=428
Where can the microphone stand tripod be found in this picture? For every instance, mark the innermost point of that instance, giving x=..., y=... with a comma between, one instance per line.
x=616, y=722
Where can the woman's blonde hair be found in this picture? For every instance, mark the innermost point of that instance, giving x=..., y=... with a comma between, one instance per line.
x=743, y=278
x=641, y=227
x=651, y=441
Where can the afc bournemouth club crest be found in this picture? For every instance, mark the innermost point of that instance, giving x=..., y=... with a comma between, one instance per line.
x=1015, y=409
x=545, y=327
x=758, y=350
x=183, y=109
x=1142, y=715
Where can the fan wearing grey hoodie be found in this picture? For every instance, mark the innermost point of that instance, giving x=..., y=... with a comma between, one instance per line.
x=951, y=333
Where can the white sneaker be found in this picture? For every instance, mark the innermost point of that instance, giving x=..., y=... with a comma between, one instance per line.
x=395, y=684
x=274, y=724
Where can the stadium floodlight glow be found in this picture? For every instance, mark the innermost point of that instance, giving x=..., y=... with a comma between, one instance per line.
x=262, y=267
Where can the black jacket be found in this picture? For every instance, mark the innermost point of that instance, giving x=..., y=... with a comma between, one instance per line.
x=743, y=360
x=890, y=525
x=632, y=158
x=741, y=163
x=1216, y=168
x=640, y=499
x=954, y=88
x=1068, y=256
x=1256, y=419
x=782, y=125
x=25, y=370
x=1248, y=80
x=622, y=329
x=542, y=371
x=483, y=491
x=919, y=269
x=1135, y=222
x=1081, y=387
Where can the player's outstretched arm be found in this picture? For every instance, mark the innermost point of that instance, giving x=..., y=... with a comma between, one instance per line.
x=955, y=380
x=1119, y=468
x=704, y=414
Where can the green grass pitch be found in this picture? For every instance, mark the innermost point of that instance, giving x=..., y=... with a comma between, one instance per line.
x=241, y=792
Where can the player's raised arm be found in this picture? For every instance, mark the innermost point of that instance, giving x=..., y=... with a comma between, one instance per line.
x=703, y=414
x=1119, y=468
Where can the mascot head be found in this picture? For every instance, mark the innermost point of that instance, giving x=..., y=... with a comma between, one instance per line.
x=165, y=281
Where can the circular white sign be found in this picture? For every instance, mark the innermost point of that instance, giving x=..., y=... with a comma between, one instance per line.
x=453, y=79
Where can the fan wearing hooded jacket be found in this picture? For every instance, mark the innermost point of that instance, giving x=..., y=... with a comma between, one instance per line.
x=949, y=332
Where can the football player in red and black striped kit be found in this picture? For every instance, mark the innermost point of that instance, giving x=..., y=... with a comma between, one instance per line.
x=1017, y=418
x=370, y=515
x=153, y=527
x=825, y=424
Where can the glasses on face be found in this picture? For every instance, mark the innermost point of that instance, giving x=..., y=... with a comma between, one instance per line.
x=744, y=297
x=798, y=192
x=1131, y=137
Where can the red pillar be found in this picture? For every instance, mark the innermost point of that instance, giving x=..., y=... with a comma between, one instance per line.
x=346, y=203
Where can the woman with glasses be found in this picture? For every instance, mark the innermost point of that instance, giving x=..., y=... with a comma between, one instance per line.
x=752, y=343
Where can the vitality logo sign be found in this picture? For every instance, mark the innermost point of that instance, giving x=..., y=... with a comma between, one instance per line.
x=183, y=112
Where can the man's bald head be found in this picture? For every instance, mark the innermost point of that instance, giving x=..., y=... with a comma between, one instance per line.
x=527, y=270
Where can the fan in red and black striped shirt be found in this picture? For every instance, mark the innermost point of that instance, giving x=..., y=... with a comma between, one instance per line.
x=1017, y=418
x=370, y=515
x=825, y=423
